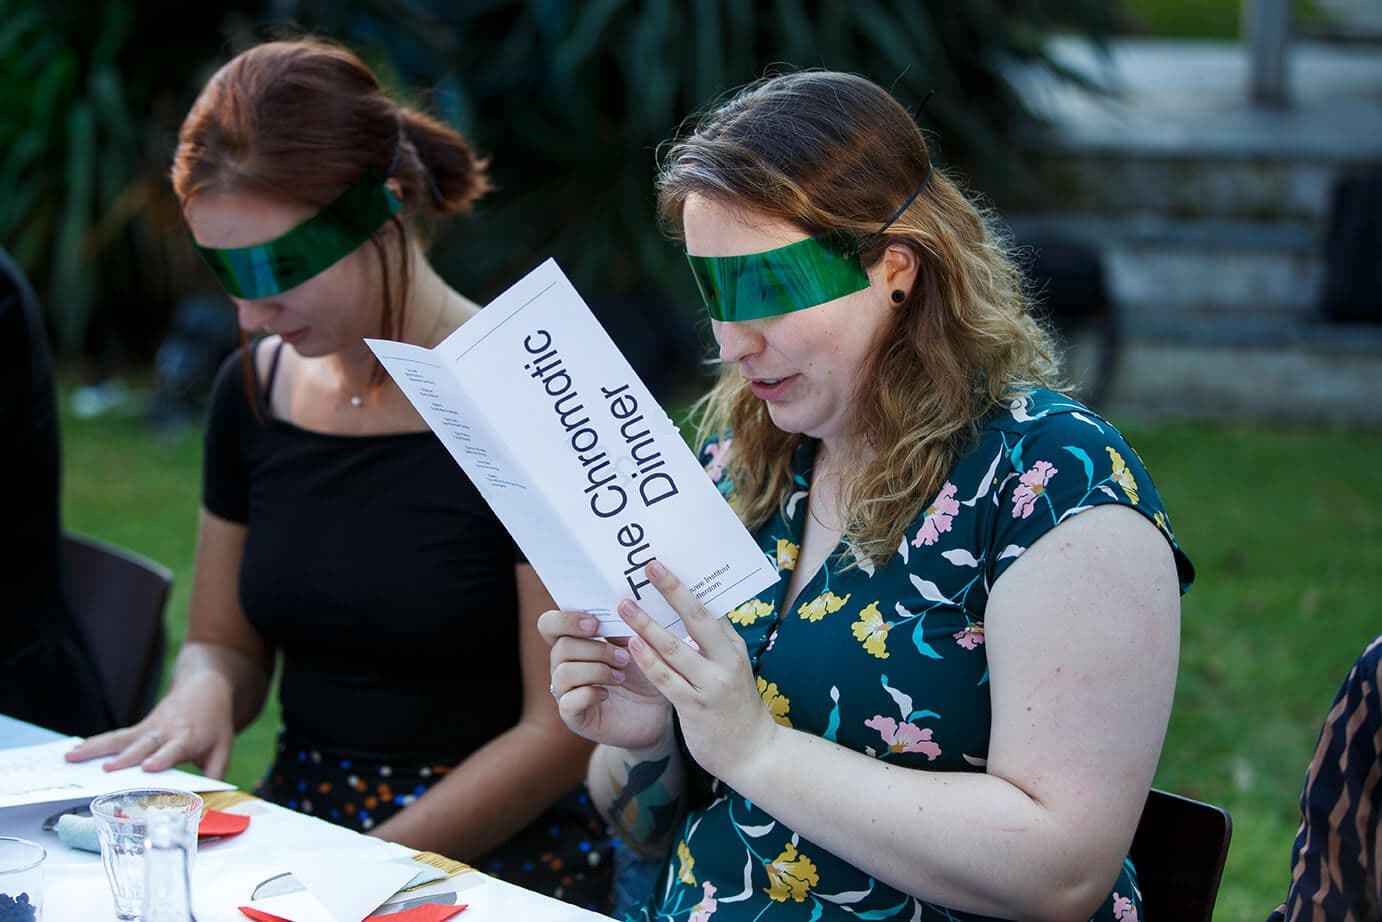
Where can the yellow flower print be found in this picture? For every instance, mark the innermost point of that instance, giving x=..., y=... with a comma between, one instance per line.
x=786, y=554
x=824, y=604
x=687, y=863
x=871, y=631
x=1121, y=475
x=791, y=876
x=778, y=704
x=750, y=612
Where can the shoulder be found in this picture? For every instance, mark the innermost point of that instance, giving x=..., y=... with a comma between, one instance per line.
x=1044, y=423
x=1051, y=458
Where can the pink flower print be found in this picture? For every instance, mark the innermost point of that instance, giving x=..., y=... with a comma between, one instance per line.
x=972, y=636
x=1123, y=909
x=703, y=910
x=904, y=737
x=1030, y=487
x=719, y=453
x=937, y=516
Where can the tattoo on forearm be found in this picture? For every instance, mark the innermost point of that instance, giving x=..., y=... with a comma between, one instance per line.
x=646, y=805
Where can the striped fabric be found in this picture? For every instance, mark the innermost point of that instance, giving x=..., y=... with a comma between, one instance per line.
x=1336, y=871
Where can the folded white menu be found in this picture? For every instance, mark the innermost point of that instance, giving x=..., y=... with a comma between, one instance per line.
x=569, y=448
x=40, y=774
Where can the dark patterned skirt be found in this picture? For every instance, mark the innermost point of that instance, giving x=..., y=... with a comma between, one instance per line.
x=564, y=853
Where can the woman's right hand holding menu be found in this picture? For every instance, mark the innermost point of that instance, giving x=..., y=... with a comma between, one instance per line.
x=601, y=693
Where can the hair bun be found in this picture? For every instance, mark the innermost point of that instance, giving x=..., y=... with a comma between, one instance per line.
x=451, y=176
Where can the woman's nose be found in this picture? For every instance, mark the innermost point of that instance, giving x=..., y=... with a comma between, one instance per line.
x=738, y=339
x=254, y=315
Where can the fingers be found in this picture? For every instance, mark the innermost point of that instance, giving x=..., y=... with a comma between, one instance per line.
x=218, y=760
x=568, y=676
x=553, y=625
x=137, y=750
x=102, y=744
x=574, y=705
x=710, y=634
x=671, y=665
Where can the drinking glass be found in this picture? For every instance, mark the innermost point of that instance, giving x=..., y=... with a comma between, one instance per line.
x=21, y=880
x=122, y=824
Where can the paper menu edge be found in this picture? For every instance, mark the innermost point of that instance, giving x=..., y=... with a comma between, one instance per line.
x=559, y=532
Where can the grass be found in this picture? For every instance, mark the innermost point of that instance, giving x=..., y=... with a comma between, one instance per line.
x=1283, y=525
x=1183, y=18
x=1196, y=19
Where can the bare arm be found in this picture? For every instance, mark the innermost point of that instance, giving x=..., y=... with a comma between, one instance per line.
x=1082, y=635
x=220, y=678
x=511, y=780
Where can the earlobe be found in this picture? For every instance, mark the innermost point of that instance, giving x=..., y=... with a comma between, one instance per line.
x=900, y=268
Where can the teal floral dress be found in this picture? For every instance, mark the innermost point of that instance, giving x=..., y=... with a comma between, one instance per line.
x=890, y=660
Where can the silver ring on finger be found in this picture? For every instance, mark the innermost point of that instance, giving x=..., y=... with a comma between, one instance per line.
x=156, y=737
x=553, y=690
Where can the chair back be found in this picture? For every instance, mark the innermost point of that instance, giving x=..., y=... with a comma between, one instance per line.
x=117, y=599
x=1179, y=851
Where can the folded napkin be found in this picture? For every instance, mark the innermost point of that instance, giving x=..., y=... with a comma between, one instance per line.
x=217, y=823
x=427, y=912
x=79, y=832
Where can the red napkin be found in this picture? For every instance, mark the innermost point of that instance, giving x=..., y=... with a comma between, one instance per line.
x=427, y=912
x=216, y=823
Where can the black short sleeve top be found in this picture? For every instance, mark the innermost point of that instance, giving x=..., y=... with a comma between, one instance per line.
x=377, y=571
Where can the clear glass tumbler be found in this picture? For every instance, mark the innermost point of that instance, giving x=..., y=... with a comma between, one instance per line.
x=122, y=825
x=21, y=880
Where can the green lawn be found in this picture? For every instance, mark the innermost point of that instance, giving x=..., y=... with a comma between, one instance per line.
x=1195, y=19
x=1283, y=526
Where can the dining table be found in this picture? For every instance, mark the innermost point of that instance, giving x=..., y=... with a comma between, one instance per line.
x=227, y=871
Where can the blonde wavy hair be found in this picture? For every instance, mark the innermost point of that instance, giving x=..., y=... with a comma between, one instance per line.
x=826, y=151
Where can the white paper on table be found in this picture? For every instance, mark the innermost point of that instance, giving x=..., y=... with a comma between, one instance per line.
x=500, y=901
x=341, y=885
x=569, y=448
x=40, y=774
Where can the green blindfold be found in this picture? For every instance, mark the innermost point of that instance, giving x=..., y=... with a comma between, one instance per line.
x=790, y=278
x=268, y=268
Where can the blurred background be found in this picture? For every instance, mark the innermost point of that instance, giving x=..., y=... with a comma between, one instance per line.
x=1196, y=185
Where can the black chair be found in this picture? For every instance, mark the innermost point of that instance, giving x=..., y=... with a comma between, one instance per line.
x=1179, y=851
x=117, y=598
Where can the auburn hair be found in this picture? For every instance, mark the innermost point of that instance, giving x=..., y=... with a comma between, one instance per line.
x=299, y=121
x=826, y=151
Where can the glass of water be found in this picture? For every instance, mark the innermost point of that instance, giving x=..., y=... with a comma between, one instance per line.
x=122, y=825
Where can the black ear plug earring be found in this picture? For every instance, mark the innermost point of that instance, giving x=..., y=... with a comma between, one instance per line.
x=898, y=296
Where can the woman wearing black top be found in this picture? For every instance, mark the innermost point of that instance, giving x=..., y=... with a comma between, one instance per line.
x=336, y=532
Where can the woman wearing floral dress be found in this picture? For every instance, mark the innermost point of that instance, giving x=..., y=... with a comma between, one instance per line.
x=952, y=703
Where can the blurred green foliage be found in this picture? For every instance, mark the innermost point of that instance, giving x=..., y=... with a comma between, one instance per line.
x=571, y=100
x=90, y=95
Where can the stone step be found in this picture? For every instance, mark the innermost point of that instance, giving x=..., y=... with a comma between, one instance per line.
x=1174, y=132
x=1185, y=186
x=1333, y=381
x=1156, y=265
x=1350, y=20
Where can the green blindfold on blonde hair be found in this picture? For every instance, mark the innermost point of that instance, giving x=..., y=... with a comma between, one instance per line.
x=288, y=260
x=789, y=278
